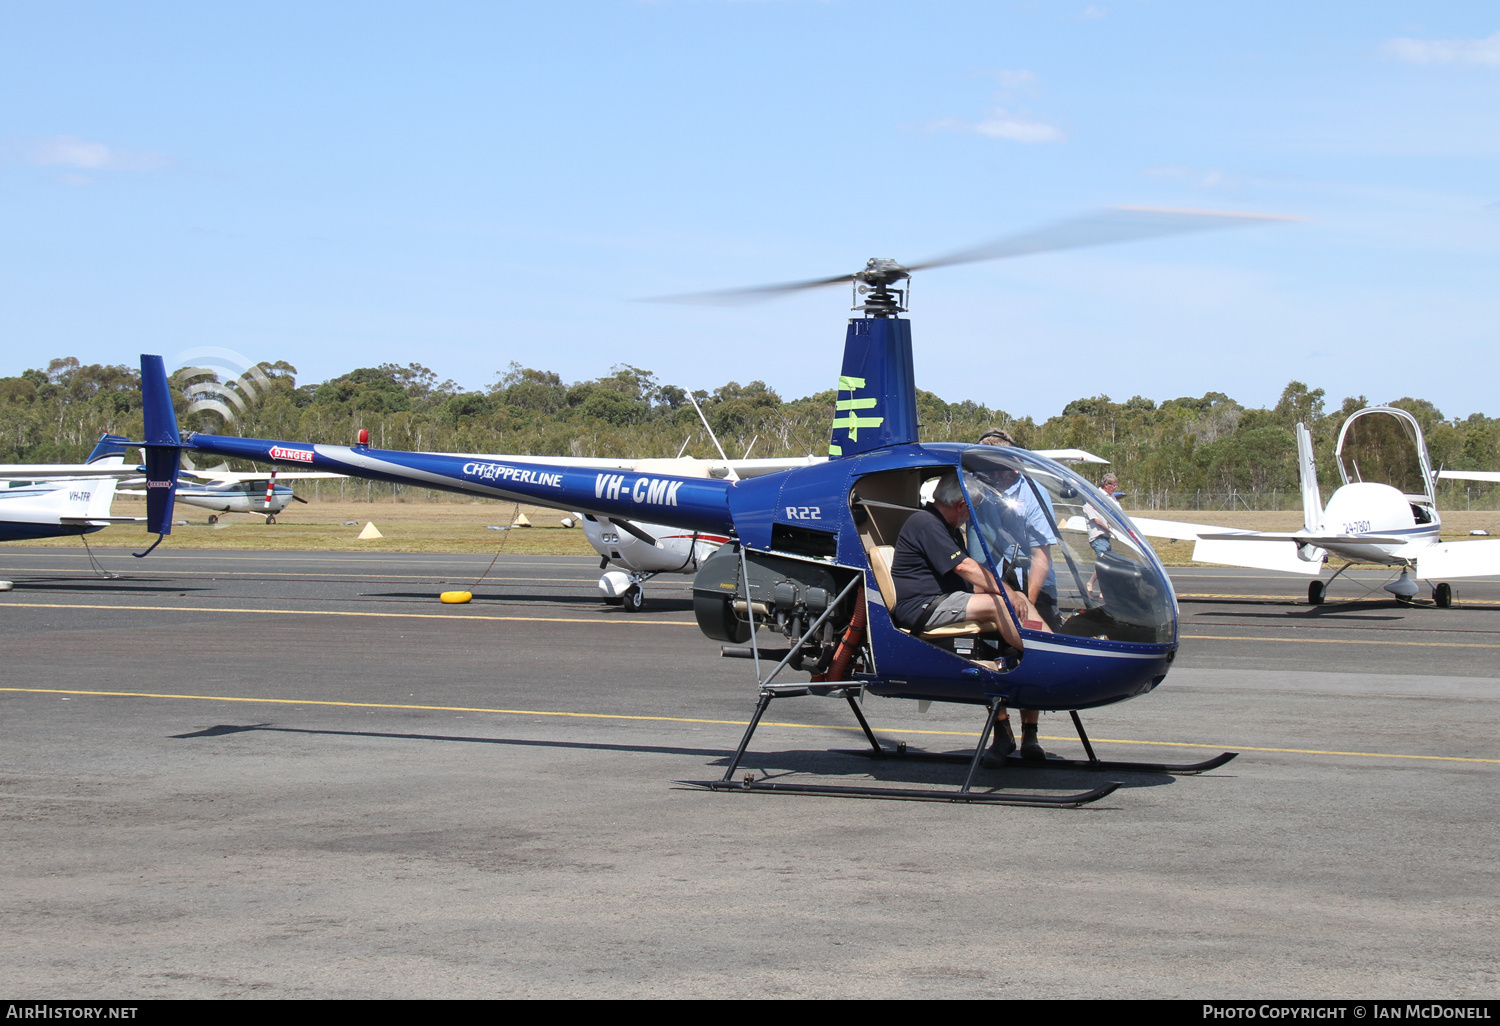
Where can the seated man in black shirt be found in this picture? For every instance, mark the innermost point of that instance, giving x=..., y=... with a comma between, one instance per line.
x=937, y=583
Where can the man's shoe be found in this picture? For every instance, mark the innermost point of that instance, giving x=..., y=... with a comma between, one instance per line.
x=1003, y=745
x=1031, y=749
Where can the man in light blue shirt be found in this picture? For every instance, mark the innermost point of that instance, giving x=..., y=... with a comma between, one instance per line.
x=1022, y=536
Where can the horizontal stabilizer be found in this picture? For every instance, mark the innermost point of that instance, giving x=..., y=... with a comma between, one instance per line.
x=63, y=472
x=1256, y=554
x=99, y=521
x=1459, y=559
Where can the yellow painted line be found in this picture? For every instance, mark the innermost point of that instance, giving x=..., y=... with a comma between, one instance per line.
x=727, y=723
x=1293, y=751
x=1196, y=596
x=1336, y=641
x=334, y=612
x=180, y=574
x=672, y=623
x=318, y=555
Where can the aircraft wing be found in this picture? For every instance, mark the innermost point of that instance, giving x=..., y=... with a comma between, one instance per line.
x=1304, y=538
x=1177, y=529
x=1070, y=455
x=234, y=476
x=64, y=471
x=1459, y=559
x=1254, y=550
x=1182, y=531
x=1470, y=475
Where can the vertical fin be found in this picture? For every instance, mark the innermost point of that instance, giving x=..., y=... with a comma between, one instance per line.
x=109, y=445
x=876, y=402
x=1307, y=470
x=163, y=445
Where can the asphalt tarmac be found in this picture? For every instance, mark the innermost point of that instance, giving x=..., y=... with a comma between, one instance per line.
x=285, y=775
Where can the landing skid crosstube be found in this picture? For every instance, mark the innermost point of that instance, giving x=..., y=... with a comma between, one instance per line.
x=965, y=794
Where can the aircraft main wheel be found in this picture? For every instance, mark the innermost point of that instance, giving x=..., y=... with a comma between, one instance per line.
x=1442, y=595
x=634, y=599
x=1315, y=593
x=213, y=518
x=270, y=520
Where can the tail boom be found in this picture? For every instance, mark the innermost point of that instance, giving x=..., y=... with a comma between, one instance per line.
x=688, y=502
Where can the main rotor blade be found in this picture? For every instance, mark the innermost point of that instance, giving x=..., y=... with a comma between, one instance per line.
x=755, y=294
x=1103, y=228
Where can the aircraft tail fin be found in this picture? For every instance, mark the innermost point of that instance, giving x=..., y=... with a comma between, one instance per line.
x=876, y=402
x=1307, y=469
x=110, y=445
x=163, y=446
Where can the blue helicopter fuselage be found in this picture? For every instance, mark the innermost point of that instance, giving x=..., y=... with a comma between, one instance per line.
x=1113, y=627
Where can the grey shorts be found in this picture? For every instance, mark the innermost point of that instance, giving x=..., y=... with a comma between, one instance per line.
x=950, y=609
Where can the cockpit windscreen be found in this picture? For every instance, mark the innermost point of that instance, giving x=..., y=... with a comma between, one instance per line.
x=1031, y=516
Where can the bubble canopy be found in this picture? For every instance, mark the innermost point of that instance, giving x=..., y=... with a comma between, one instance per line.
x=1032, y=516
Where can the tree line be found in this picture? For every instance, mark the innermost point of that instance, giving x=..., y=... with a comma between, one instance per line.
x=1210, y=443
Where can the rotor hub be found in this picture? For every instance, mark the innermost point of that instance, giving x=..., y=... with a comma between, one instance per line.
x=874, y=283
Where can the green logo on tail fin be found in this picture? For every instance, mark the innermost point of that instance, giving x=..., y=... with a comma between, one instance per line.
x=845, y=415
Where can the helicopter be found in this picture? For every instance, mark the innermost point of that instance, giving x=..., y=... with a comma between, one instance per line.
x=811, y=548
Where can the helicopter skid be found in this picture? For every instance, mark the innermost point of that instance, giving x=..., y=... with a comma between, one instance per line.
x=1062, y=801
x=1015, y=761
x=964, y=795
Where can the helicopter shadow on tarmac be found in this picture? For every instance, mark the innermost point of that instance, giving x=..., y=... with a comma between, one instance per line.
x=226, y=729
x=768, y=765
x=68, y=586
x=783, y=765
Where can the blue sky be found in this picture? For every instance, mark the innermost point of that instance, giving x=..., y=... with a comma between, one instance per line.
x=467, y=184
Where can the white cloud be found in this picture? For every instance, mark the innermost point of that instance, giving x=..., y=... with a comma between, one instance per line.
x=1092, y=13
x=1002, y=124
x=1447, y=51
x=1205, y=178
x=1011, y=81
x=71, y=152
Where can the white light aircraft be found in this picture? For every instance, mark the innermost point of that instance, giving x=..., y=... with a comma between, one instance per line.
x=222, y=491
x=54, y=500
x=1364, y=522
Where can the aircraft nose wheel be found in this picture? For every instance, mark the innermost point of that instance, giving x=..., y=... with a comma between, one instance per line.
x=1442, y=596
x=634, y=599
x=1315, y=593
x=213, y=518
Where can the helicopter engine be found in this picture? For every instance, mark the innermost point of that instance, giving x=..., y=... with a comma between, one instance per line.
x=786, y=594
